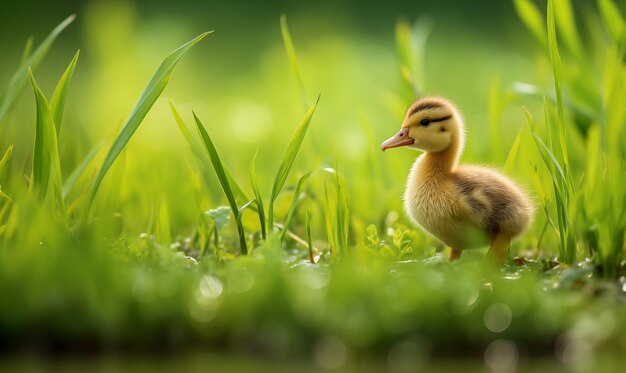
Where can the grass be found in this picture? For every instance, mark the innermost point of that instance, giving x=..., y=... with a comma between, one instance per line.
x=46, y=163
x=570, y=182
x=312, y=256
x=29, y=61
x=223, y=179
x=288, y=159
x=150, y=94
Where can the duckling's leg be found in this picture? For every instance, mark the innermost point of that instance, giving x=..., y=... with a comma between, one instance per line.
x=500, y=247
x=454, y=254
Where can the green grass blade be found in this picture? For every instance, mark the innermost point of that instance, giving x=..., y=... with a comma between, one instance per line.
x=182, y=126
x=18, y=80
x=46, y=164
x=532, y=18
x=557, y=68
x=144, y=104
x=343, y=212
x=237, y=189
x=567, y=27
x=257, y=196
x=40, y=175
x=293, y=60
x=71, y=180
x=288, y=158
x=221, y=176
x=581, y=109
x=5, y=197
x=163, y=229
x=510, y=159
x=5, y=159
x=28, y=48
x=336, y=211
x=217, y=165
x=180, y=123
x=410, y=43
x=294, y=203
x=240, y=230
x=309, y=241
x=244, y=207
x=329, y=220
x=548, y=156
x=612, y=19
x=592, y=154
x=403, y=49
x=57, y=102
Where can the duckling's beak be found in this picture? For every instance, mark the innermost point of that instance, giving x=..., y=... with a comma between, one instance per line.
x=400, y=139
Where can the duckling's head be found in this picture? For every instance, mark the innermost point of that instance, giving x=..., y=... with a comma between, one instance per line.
x=430, y=124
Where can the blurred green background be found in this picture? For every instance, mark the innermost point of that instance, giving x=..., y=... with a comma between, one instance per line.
x=132, y=277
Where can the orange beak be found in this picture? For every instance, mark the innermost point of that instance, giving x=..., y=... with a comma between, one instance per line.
x=400, y=139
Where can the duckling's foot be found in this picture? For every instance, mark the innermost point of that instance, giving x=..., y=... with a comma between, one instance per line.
x=455, y=254
x=500, y=247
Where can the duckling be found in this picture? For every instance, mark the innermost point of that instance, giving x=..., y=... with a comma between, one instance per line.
x=464, y=207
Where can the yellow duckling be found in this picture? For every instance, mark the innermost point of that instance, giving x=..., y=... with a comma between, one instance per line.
x=464, y=207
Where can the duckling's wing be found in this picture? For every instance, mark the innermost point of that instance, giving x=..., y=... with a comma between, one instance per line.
x=492, y=200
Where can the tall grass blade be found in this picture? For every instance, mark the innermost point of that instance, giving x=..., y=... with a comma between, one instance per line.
x=162, y=229
x=612, y=19
x=581, y=109
x=293, y=60
x=343, y=212
x=592, y=154
x=309, y=241
x=548, y=157
x=222, y=178
x=144, y=104
x=329, y=220
x=294, y=204
x=532, y=18
x=567, y=27
x=5, y=197
x=57, y=102
x=510, y=159
x=257, y=196
x=5, y=160
x=71, y=180
x=336, y=211
x=46, y=164
x=182, y=126
x=237, y=189
x=28, y=48
x=18, y=80
x=288, y=158
x=403, y=48
x=557, y=68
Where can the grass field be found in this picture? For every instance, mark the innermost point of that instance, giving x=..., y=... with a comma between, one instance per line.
x=174, y=189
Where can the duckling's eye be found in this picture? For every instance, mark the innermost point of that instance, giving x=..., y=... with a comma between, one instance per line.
x=424, y=122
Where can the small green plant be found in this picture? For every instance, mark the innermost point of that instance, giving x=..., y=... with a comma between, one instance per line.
x=227, y=182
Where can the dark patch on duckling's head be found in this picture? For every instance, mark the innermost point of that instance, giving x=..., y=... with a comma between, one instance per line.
x=424, y=104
